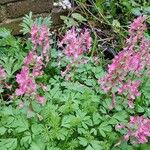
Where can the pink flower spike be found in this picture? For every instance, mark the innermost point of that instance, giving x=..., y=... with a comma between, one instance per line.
x=40, y=99
x=138, y=130
x=40, y=37
x=76, y=44
x=26, y=83
x=28, y=59
x=21, y=104
x=2, y=73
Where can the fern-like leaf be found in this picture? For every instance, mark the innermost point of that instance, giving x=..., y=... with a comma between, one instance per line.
x=27, y=23
x=4, y=33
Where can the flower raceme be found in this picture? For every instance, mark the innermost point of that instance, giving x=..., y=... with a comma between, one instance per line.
x=33, y=64
x=2, y=73
x=2, y=76
x=26, y=83
x=129, y=64
x=138, y=129
x=32, y=68
x=36, y=62
x=40, y=37
x=74, y=44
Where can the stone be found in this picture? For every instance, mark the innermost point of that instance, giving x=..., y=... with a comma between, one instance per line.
x=12, y=25
x=7, y=1
x=21, y=8
x=2, y=14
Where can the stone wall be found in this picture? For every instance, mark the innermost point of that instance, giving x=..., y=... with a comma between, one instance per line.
x=12, y=11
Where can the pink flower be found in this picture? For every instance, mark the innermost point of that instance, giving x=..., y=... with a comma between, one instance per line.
x=38, y=67
x=138, y=23
x=2, y=73
x=40, y=37
x=35, y=62
x=134, y=63
x=76, y=44
x=63, y=73
x=130, y=62
x=28, y=60
x=40, y=99
x=132, y=88
x=119, y=126
x=26, y=83
x=21, y=104
x=138, y=129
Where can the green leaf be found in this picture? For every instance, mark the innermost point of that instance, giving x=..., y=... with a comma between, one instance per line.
x=126, y=146
x=8, y=121
x=2, y=130
x=140, y=109
x=71, y=22
x=4, y=33
x=104, y=127
x=146, y=88
x=136, y=11
x=34, y=146
x=20, y=124
x=89, y=148
x=26, y=140
x=83, y=141
x=78, y=17
x=146, y=10
x=102, y=132
x=96, y=118
x=145, y=147
x=67, y=120
x=7, y=111
x=121, y=116
x=63, y=18
x=37, y=128
x=27, y=23
x=116, y=23
x=36, y=107
x=96, y=145
x=8, y=144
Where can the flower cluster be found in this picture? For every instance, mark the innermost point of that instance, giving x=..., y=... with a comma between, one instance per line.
x=40, y=37
x=2, y=73
x=2, y=76
x=33, y=64
x=132, y=89
x=74, y=45
x=33, y=67
x=27, y=84
x=138, y=129
x=129, y=64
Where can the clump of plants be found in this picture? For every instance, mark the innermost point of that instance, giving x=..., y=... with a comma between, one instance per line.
x=58, y=95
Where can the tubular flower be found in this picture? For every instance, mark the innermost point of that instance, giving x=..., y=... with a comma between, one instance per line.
x=2, y=73
x=76, y=44
x=138, y=129
x=26, y=83
x=40, y=37
x=129, y=63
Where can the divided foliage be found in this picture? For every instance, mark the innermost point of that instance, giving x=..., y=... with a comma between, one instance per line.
x=50, y=98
